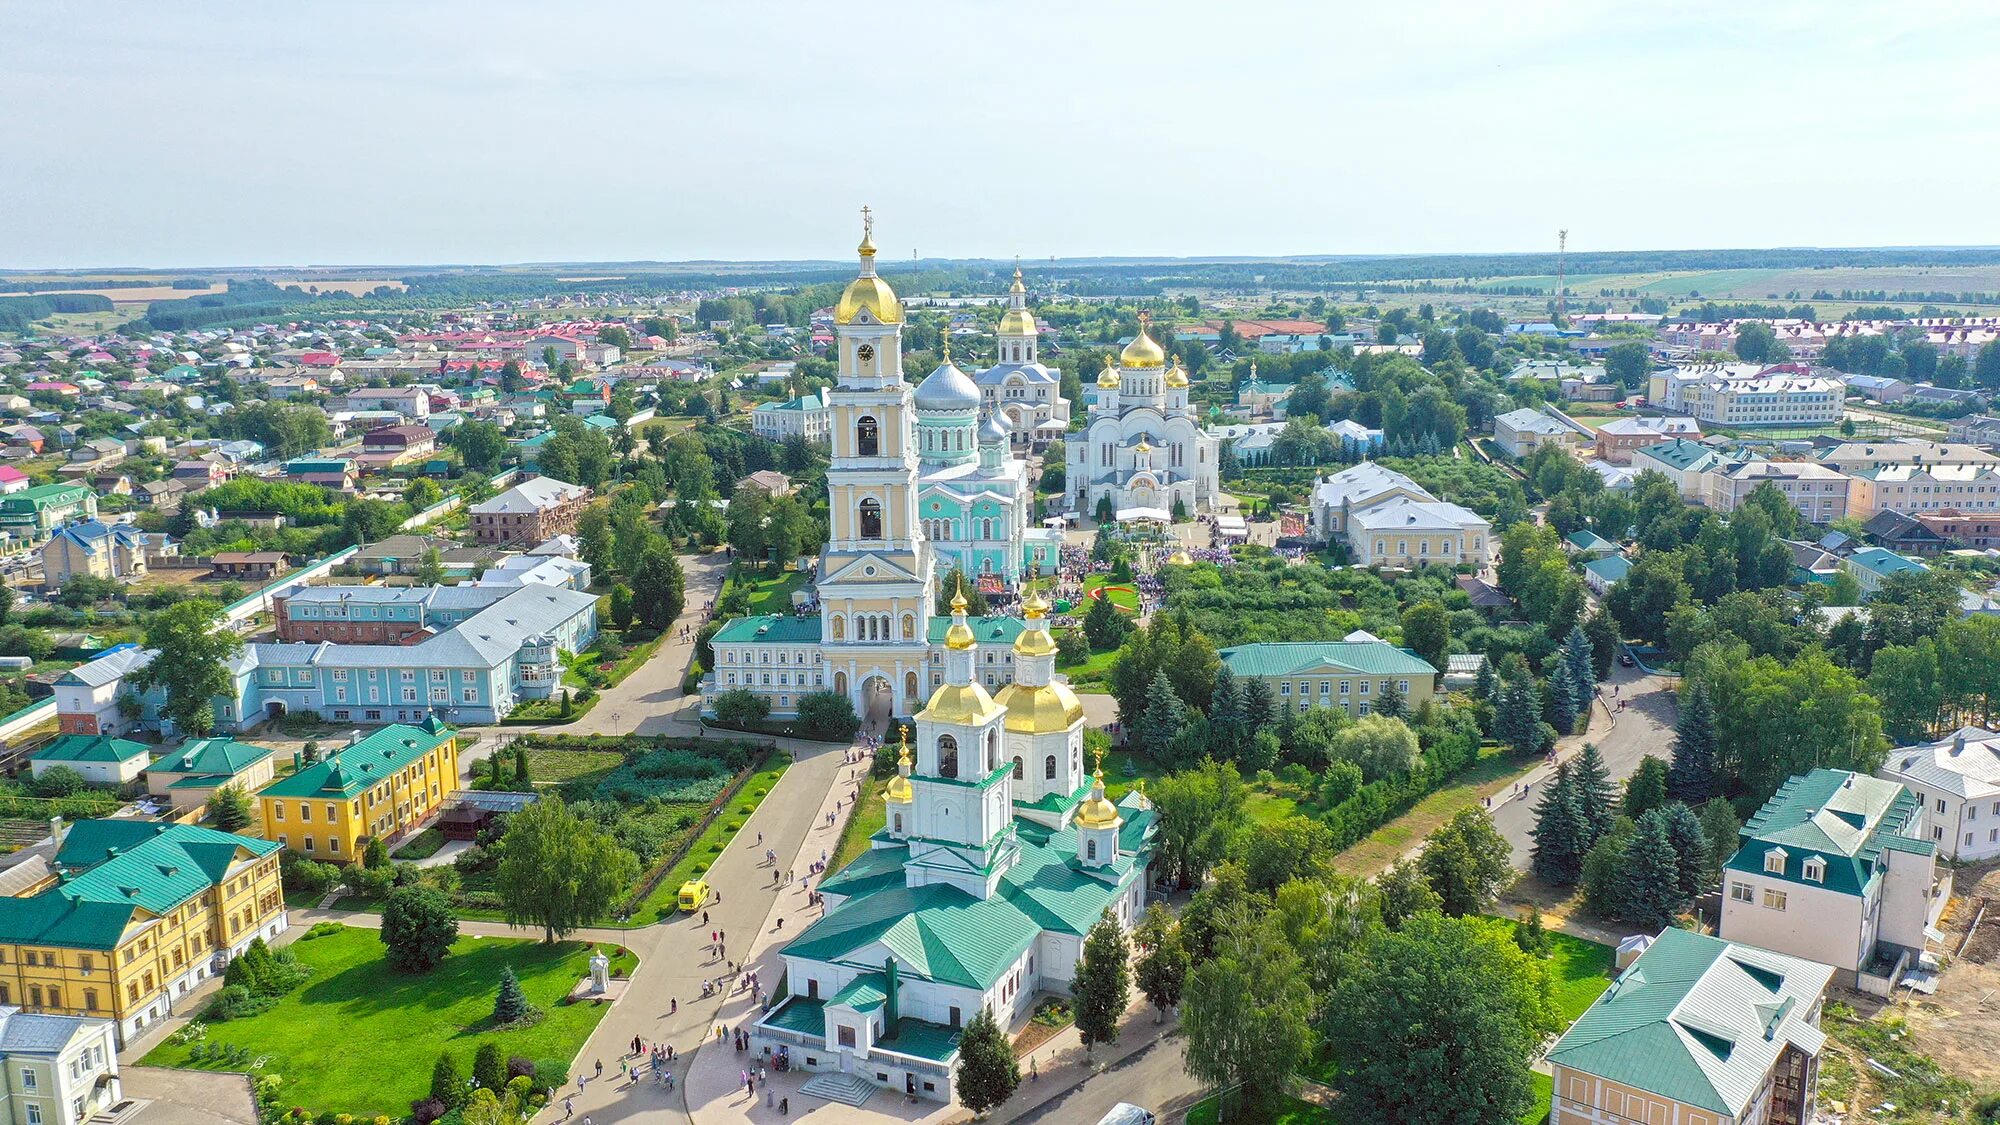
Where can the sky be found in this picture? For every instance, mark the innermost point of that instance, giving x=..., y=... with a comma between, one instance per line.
x=309, y=132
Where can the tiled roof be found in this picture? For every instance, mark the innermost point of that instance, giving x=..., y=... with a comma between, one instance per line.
x=1698, y=1020
x=1285, y=658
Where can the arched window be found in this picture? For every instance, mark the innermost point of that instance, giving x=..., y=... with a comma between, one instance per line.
x=867, y=437
x=1090, y=848
x=1049, y=768
x=992, y=752
x=947, y=756
x=899, y=824
x=1017, y=769
x=871, y=519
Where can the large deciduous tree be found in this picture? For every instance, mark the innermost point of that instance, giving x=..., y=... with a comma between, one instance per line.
x=1246, y=1019
x=988, y=1072
x=191, y=648
x=1467, y=861
x=558, y=872
x=418, y=928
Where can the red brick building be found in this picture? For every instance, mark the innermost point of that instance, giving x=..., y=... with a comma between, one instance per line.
x=531, y=512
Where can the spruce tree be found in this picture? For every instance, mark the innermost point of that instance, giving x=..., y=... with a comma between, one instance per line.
x=1485, y=684
x=521, y=778
x=1530, y=934
x=1390, y=704
x=1581, y=657
x=1720, y=826
x=1562, y=698
x=512, y=1003
x=1519, y=720
x=1163, y=717
x=988, y=1072
x=1260, y=707
x=1561, y=833
x=1691, y=848
x=1103, y=982
x=1225, y=716
x=1651, y=893
x=1594, y=792
x=1694, y=777
x=447, y=1081
x=1646, y=789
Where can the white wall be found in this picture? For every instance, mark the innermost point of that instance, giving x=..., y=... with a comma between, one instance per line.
x=1817, y=924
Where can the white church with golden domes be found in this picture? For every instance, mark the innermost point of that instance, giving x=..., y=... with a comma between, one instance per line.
x=1144, y=447
x=998, y=855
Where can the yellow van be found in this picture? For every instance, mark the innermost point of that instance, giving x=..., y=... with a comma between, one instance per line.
x=694, y=894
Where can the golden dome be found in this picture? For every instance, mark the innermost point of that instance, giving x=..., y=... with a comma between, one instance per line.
x=1176, y=377
x=1034, y=639
x=1144, y=447
x=898, y=790
x=1016, y=322
x=959, y=636
x=1143, y=351
x=1044, y=709
x=1180, y=558
x=1098, y=811
x=965, y=704
x=873, y=294
x=1107, y=378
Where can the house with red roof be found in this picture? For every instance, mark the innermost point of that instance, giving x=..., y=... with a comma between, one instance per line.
x=320, y=359
x=13, y=480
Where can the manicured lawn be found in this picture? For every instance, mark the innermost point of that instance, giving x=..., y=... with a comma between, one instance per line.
x=553, y=767
x=1121, y=594
x=771, y=595
x=1092, y=674
x=867, y=820
x=1545, y=1095
x=709, y=845
x=1123, y=767
x=1283, y=1111
x=1579, y=970
x=359, y=1037
x=423, y=845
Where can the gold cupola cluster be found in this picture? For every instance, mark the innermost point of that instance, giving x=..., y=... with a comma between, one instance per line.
x=867, y=292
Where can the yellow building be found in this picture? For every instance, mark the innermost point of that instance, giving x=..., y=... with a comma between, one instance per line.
x=388, y=784
x=1351, y=675
x=130, y=916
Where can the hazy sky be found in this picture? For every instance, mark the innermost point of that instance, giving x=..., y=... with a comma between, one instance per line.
x=190, y=132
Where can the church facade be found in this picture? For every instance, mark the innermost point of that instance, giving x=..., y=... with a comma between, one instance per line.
x=998, y=855
x=1143, y=448
x=918, y=483
x=1019, y=390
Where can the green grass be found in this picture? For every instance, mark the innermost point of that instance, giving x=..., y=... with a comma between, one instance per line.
x=1388, y=843
x=867, y=820
x=553, y=767
x=1579, y=970
x=1545, y=1096
x=771, y=595
x=392, y=1024
x=708, y=847
x=1123, y=767
x=1283, y=1110
x=1093, y=672
x=423, y=845
x=1125, y=598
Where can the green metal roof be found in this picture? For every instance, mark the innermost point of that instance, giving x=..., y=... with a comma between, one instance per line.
x=1698, y=1020
x=1587, y=540
x=994, y=630
x=1288, y=658
x=45, y=495
x=864, y=993
x=109, y=868
x=90, y=748
x=1611, y=568
x=1844, y=818
x=923, y=1039
x=221, y=757
x=871, y=871
x=352, y=770
x=799, y=1014
x=770, y=628
x=937, y=931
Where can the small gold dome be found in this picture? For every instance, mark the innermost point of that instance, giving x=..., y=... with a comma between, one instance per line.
x=1144, y=447
x=959, y=637
x=898, y=790
x=1107, y=378
x=1043, y=709
x=1143, y=351
x=1017, y=322
x=1034, y=639
x=1180, y=558
x=1176, y=377
x=1098, y=811
x=966, y=704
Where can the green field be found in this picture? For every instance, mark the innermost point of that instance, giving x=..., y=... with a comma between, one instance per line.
x=1124, y=598
x=392, y=1025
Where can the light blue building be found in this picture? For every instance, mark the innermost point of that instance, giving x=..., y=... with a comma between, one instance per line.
x=974, y=497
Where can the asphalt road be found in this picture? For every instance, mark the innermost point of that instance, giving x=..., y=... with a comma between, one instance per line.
x=1151, y=1079
x=1645, y=726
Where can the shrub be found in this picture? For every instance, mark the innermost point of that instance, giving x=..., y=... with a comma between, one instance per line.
x=322, y=929
x=519, y=1067
x=307, y=876
x=487, y=1067
x=58, y=781
x=741, y=708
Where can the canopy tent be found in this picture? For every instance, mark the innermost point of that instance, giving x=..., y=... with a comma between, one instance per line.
x=1144, y=515
x=1231, y=527
x=1057, y=521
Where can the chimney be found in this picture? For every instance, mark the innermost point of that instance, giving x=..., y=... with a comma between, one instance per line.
x=353, y=737
x=1958, y=743
x=56, y=831
x=298, y=760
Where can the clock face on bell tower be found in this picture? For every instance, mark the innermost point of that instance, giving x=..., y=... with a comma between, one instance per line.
x=865, y=353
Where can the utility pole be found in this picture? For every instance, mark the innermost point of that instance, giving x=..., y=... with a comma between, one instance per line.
x=1562, y=251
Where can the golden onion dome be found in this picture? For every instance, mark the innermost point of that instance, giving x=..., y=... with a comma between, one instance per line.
x=1098, y=811
x=959, y=637
x=872, y=294
x=898, y=791
x=1017, y=322
x=1176, y=377
x=1143, y=351
x=1180, y=558
x=1039, y=709
x=1035, y=641
x=966, y=704
x=1144, y=446
x=1108, y=378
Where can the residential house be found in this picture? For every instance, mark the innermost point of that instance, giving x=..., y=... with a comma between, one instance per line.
x=1962, y=529
x=1521, y=432
x=87, y=696
x=1835, y=868
x=1981, y=429
x=1871, y=566
x=336, y=473
x=257, y=566
x=33, y=514
x=100, y=758
x=132, y=916
x=13, y=480
x=386, y=785
x=1956, y=781
x=1903, y=534
x=404, y=555
x=809, y=416
x=1696, y=1031
x=202, y=472
x=1619, y=438
x=1878, y=387
x=61, y=1070
x=1336, y=497
x=1603, y=573
x=412, y=402
x=530, y=512
x=769, y=481
x=1588, y=544
x=89, y=548
x=390, y=446
x=1351, y=675
x=197, y=769
x=1916, y=487
x=163, y=494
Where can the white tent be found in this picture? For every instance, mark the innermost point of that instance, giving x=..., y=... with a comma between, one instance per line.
x=1141, y=515
x=1231, y=527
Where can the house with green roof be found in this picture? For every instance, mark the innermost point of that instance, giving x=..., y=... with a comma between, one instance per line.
x=1696, y=1031
x=1350, y=674
x=29, y=516
x=100, y=758
x=191, y=773
x=1837, y=867
x=387, y=784
x=1872, y=566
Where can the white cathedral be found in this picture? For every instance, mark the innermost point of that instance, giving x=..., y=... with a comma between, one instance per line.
x=1144, y=447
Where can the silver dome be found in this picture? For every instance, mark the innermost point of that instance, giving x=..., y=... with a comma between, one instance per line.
x=994, y=430
x=947, y=388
